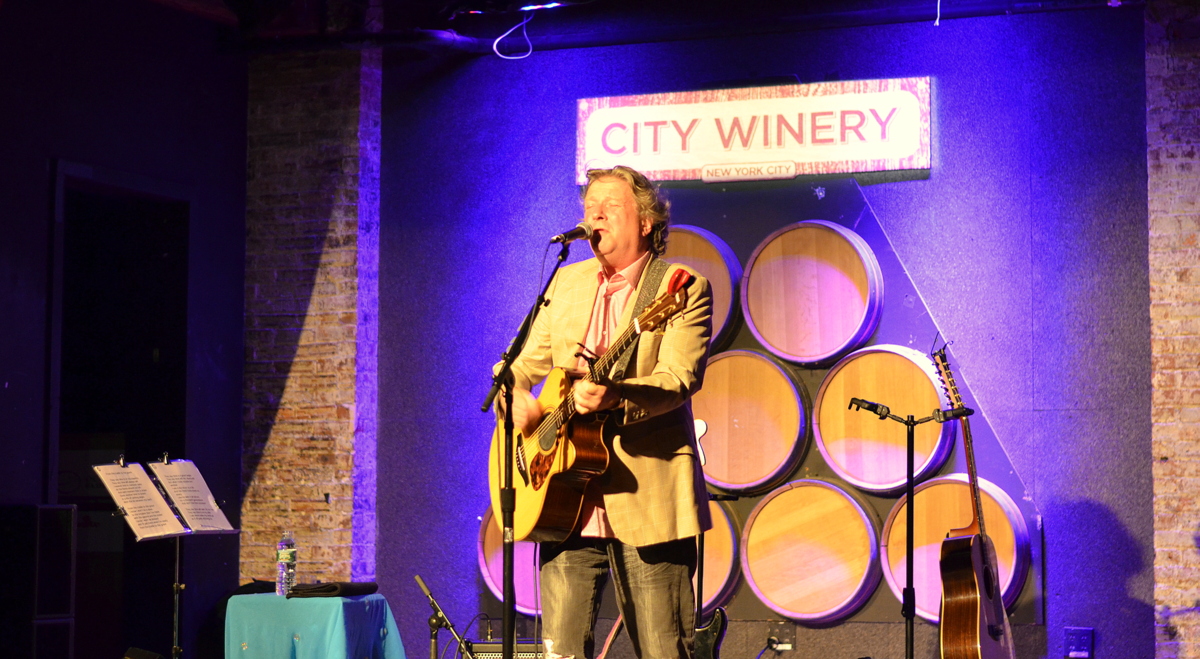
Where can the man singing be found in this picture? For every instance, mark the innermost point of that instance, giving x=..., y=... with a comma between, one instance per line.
x=640, y=518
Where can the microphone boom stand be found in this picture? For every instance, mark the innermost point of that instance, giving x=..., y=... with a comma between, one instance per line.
x=508, y=495
x=908, y=606
x=437, y=620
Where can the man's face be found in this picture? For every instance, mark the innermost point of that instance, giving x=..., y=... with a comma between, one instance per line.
x=619, y=237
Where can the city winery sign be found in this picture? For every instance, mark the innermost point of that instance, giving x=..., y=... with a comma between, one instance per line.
x=759, y=133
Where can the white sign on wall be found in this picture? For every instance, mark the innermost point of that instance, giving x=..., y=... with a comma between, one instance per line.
x=759, y=133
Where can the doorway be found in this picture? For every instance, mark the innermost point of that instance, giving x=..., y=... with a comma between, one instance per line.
x=121, y=264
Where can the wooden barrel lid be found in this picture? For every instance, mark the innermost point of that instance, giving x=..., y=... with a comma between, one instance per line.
x=865, y=451
x=810, y=552
x=721, y=573
x=757, y=416
x=525, y=565
x=944, y=504
x=706, y=253
x=812, y=291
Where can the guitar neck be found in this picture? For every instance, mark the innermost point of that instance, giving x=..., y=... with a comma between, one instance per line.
x=623, y=342
x=603, y=365
x=976, y=526
x=555, y=420
x=657, y=313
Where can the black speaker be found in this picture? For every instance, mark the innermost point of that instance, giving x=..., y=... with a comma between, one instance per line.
x=54, y=639
x=55, y=591
x=38, y=606
x=522, y=649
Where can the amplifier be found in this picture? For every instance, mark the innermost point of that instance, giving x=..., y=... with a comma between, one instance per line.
x=525, y=648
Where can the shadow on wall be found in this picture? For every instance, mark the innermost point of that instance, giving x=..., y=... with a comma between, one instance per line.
x=278, y=298
x=1103, y=562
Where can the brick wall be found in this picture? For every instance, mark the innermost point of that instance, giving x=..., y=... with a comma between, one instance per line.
x=312, y=236
x=1172, y=135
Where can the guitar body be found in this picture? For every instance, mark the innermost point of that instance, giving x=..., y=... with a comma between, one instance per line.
x=709, y=637
x=974, y=624
x=550, y=483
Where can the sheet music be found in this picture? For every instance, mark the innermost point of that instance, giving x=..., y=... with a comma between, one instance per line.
x=191, y=496
x=146, y=512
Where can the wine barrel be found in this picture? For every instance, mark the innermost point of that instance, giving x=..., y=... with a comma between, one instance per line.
x=812, y=291
x=944, y=504
x=706, y=253
x=721, y=573
x=810, y=552
x=865, y=451
x=757, y=417
x=525, y=565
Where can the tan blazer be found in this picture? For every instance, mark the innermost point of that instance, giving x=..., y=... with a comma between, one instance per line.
x=654, y=488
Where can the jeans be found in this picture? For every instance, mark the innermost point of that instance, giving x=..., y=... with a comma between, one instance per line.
x=654, y=593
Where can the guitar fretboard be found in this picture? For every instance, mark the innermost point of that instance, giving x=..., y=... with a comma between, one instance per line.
x=956, y=402
x=548, y=430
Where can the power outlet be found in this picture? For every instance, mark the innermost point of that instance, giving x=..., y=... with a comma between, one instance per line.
x=784, y=631
x=1078, y=642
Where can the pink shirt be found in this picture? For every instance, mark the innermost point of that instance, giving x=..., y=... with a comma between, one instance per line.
x=612, y=295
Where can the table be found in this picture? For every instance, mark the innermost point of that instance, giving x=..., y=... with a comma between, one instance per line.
x=267, y=626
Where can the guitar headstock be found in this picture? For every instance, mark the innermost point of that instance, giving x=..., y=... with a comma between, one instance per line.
x=679, y=279
x=947, y=377
x=667, y=305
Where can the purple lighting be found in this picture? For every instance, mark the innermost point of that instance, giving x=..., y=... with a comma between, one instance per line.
x=366, y=384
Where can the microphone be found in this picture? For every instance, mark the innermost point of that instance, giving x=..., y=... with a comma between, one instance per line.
x=874, y=408
x=424, y=588
x=942, y=416
x=581, y=230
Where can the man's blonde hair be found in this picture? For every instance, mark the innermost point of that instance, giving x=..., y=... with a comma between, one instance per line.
x=652, y=202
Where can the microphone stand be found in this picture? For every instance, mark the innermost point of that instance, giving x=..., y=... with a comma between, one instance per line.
x=908, y=606
x=438, y=620
x=508, y=494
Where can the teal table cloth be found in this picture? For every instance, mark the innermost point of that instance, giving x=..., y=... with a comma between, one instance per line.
x=267, y=626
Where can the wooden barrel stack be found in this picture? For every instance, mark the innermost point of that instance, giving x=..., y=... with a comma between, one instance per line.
x=812, y=549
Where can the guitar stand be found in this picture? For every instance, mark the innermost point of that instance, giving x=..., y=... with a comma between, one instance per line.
x=908, y=606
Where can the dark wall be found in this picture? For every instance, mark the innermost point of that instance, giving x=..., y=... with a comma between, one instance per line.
x=1027, y=242
x=134, y=88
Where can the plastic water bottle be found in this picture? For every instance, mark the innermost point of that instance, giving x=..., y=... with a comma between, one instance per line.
x=285, y=555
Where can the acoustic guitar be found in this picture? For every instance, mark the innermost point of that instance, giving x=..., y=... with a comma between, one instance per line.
x=974, y=624
x=554, y=464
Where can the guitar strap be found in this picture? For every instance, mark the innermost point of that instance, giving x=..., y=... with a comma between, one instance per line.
x=655, y=270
